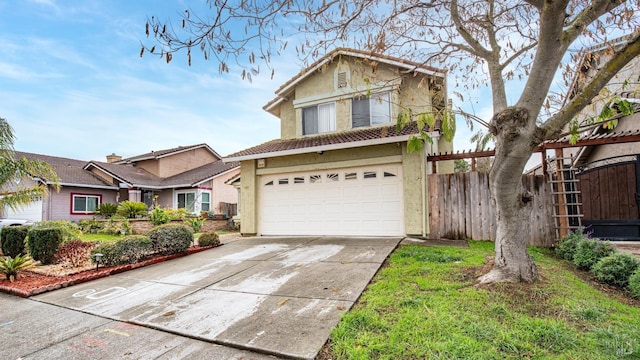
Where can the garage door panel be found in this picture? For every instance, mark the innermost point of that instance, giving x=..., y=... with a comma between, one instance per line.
x=359, y=201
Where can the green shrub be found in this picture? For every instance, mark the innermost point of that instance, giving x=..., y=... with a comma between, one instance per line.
x=590, y=251
x=634, y=284
x=132, y=209
x=566, y=248
x=195, y=223
x=70, y=231
x=43, y=243
x=117, y=226
x=209, y=239
x=178, y=214
x=74, y=253
x=170, y=238
x=90, y=226
x=129, y=250
x=12, y=239
x=106, y=210
x=615, y=269
x=11, y=265
x=159, y=216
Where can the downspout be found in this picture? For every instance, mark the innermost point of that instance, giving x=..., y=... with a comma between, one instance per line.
x=423, y=170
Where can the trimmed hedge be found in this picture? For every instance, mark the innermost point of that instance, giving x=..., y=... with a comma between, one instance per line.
x=129, y=250
x=615, y=269
x=590, y=251
x=209, y=239
x=12, y=239
x=634, y=284
x=170, y=238
x=43, y=243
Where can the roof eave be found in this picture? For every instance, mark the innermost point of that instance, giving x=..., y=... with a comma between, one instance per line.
x=340, y=146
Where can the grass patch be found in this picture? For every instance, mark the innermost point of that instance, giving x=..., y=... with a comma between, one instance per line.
x=423, y=305
x=100, y=238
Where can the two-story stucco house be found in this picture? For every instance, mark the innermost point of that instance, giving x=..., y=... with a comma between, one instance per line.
x=340, y=166
x=191, y=177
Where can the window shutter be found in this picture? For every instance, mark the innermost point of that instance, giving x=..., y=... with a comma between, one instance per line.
x=342, y=79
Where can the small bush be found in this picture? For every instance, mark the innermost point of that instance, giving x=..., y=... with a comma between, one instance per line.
x=159, y=216
x=43, y=243
x=195, y=223
x=566, y=248
x=11, y=265
x=209, y=239
x=171, y=238
x=590, y=251
x=132, y=209
x=12, y=239
x=129, y=250
x=106, y=210
x=615, y=269
x=117, y=226
x=634, y=284
x=90, y=226
x=178, y=214
x=70, y=231
x=74, y=253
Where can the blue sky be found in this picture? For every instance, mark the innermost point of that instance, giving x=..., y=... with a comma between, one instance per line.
x=72, y=84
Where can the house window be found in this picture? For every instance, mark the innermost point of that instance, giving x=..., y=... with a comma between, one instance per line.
x=85, y=204
x=370, y=111
x=187, y=200
x=206, y=201
x=319, y=119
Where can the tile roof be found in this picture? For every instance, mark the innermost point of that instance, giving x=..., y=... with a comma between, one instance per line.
x=338, y=140
x=70, y=171
x=162, y=153
x=201, y=174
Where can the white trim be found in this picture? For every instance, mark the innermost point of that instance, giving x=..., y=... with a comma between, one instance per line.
x=376, y=161
x=215, y=176
x=350, y=145
x=106, y=187
x=347, y=95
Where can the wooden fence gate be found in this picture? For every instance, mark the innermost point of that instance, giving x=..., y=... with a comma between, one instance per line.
x=610, y=197
x=460, y=208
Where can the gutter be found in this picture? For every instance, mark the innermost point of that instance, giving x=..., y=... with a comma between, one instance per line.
x=306, y=150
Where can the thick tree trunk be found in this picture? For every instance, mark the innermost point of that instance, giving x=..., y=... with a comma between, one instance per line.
x=514, y=134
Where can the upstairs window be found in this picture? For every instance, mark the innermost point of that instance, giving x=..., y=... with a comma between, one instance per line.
x=371, y=111
x=319, y=119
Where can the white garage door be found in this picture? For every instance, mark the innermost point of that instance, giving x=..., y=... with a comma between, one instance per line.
x=354, y=201
x=33, y=211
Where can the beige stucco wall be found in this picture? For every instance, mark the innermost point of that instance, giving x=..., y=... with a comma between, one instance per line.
x=606, y=151
x=221, y=192
x=178, y=163
x=248, y=186
x=407, y=92
x=371, y=155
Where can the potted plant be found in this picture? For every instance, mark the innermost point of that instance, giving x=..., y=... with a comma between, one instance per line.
x=10, y=266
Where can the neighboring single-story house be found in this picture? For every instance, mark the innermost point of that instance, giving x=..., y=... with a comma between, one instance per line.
x=190, y=177
x=341, y=167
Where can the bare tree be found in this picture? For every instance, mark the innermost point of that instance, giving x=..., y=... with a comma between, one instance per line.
x=479, y=41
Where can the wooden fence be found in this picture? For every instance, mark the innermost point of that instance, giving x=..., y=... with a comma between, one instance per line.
x=228, y=208
x=460, y=207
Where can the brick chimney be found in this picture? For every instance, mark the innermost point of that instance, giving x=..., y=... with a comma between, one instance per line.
x=113, y=158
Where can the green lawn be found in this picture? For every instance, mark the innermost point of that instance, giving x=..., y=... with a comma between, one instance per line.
x=423, y=305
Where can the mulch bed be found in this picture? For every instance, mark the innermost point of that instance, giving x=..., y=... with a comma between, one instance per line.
x=30, y=283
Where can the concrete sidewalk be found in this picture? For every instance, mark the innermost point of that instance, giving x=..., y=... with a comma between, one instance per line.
x=279, y=296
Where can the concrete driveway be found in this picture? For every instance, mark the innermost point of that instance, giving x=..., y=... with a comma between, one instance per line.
x=277, y=296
